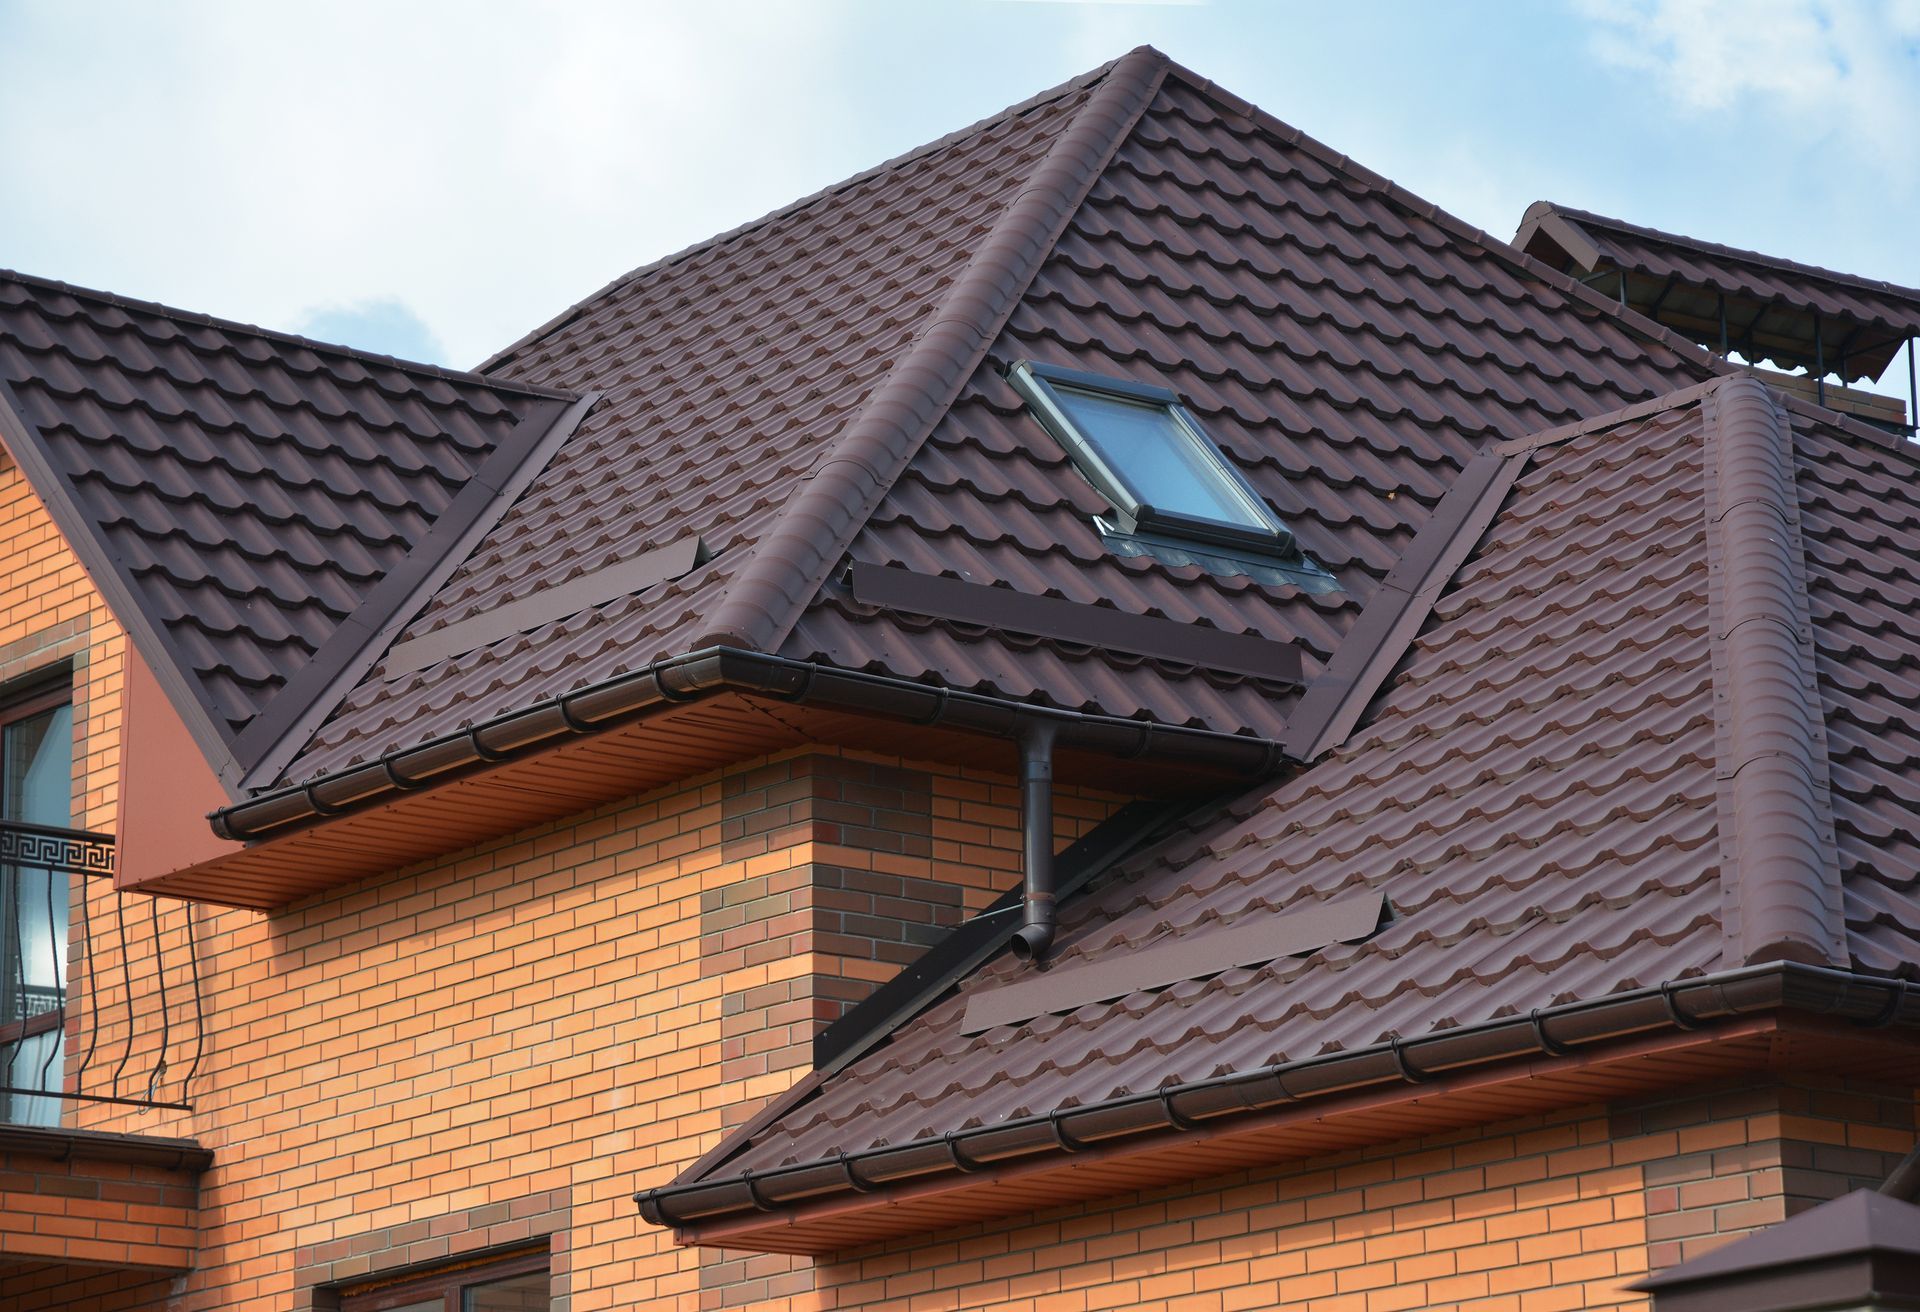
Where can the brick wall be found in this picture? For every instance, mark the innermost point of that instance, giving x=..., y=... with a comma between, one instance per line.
x=1740, y=1158
x=96, y=1213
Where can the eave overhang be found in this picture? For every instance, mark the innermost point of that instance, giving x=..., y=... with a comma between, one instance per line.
x=666, y=721
x=1511, y=1066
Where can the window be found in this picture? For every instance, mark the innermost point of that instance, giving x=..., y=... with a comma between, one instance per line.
x=507, y=1284
x=1151, y=459
x=36, y=786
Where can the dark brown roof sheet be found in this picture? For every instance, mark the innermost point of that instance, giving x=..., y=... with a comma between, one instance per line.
x=1349, y=345
x=239, y=493
x=728, y=371
x=1775, y=301
x=1544, y=792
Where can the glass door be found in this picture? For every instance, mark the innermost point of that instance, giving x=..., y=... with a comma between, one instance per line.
x=36, y=786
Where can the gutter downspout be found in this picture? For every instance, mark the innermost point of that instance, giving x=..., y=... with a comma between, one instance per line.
x=1035, y=935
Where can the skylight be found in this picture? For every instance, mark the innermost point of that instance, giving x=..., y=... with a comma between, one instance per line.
x=1151, y=459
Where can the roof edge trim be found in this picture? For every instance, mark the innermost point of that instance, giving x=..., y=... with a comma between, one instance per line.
x=104, y=1146
x=1336, y=700
x=166, y=661
x=285, y=724
x=640, y=692
x=698, y=1207
x=796, y=556
x=1779, y=853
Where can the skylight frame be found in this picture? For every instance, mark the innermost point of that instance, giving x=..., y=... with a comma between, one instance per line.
x=1037, y=384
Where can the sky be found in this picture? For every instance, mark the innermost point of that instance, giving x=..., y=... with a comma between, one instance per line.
x=434, y=179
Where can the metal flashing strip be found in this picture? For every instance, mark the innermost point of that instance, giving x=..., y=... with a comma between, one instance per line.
x=1251, y=941
x=1393, y=617
x=549, y=604
x=892, y=588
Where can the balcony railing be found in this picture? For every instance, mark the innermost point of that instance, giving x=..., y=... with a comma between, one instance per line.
x=100, y=993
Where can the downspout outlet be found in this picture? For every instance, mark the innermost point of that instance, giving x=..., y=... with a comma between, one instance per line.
x=1035, y=935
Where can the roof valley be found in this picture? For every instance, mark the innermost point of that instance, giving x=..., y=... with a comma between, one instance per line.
x=1779, y=854
x=814, y=530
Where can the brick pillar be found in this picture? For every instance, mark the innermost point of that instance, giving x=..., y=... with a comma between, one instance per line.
x=1728, y=1161
x=836, y=871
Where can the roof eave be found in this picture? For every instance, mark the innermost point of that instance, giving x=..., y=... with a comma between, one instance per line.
x=664, y=684
x=731, y=1210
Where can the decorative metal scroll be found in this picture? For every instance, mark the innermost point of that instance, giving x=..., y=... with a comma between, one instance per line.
x=46, y=847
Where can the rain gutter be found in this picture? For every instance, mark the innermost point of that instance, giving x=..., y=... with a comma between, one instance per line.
x=708, y=672
x=1203, y=1105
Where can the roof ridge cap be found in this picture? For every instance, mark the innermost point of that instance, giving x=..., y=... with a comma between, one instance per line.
x=1580, y=216
x=795, y=206
x=201, y=319
x=1516, y=260
x=812, y=530
x=1779, y=855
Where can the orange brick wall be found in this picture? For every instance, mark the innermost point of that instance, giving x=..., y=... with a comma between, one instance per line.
x=50, y=612
x=99, y=1212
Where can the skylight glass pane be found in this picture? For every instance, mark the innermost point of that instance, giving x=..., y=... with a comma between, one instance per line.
x=1157, y=456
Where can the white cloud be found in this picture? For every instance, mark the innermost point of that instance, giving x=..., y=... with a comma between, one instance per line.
x=1843, y=74
x=258, y=161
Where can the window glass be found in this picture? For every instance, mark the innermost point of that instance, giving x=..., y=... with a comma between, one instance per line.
x=527, y=1293
x=509, y=1284
x=1158, y=456
x=36, y=785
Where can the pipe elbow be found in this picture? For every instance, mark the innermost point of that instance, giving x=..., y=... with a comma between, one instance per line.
x=1031, y=941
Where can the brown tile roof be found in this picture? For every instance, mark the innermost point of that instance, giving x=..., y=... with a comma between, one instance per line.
x=784, y=391
x=1656, y=728
x=728, y=371
x=1772, y=304
x=239, y=494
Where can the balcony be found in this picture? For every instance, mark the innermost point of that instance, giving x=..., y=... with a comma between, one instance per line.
x=100, y=1020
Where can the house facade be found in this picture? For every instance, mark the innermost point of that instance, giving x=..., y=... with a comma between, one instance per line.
x=1115, y=712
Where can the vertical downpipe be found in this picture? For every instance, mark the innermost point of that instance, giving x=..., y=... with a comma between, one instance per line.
x=1035, y=935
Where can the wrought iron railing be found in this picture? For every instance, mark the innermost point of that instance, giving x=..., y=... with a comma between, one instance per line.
x=115, y=974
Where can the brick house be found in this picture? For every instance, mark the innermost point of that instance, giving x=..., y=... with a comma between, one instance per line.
x=1114, y=712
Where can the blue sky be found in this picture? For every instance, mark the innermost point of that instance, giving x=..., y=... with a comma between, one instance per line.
x=435, y=179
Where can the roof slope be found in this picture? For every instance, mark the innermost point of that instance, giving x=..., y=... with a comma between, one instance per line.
x=1866, y=319
x=236, y=493
x=727, y=372
x=1349, y=344
x=1613, y=757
